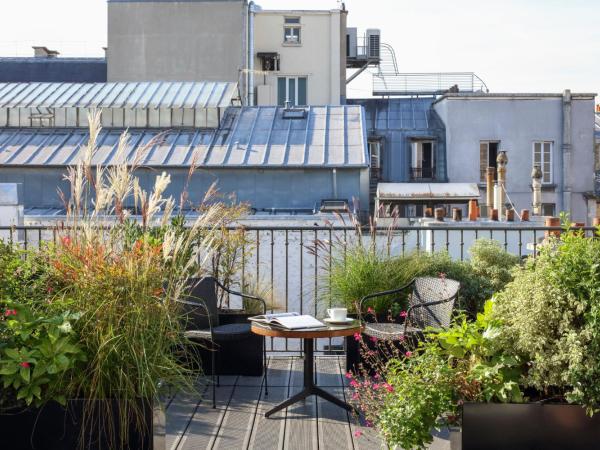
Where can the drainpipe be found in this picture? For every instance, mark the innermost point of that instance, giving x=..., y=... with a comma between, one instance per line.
x=564, y=197
x=334, y=179
x=251, y=54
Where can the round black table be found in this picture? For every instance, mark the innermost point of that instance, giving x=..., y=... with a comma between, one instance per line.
x=308, y=336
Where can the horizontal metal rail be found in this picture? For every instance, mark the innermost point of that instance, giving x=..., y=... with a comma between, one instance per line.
x=291, y=264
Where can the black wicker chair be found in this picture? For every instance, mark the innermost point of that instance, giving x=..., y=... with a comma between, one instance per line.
x=430, y=305
x=201, y=311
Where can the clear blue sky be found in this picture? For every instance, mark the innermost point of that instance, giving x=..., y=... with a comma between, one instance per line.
x=514, y=45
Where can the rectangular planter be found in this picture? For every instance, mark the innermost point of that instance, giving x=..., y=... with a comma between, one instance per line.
x=54, y=427
x=494, y=426
x=243, y=357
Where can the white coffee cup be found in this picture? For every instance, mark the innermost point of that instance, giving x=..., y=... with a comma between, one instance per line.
x=338, y=314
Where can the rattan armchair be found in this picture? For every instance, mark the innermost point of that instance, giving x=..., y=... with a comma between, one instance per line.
x=430, y=305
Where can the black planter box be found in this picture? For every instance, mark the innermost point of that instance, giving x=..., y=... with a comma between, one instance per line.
x=54, y=427
x=528, y=426
x=242, y=357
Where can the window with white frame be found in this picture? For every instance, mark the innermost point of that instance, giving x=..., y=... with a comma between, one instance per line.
x=488, y=152
x=292, y=90
x=542, y=156
x=292, y=30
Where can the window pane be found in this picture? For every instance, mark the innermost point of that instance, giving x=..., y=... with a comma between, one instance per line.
x=483, y=159
x=302, y=91
x=292, y=91
x=292, y=20
x=281, y=91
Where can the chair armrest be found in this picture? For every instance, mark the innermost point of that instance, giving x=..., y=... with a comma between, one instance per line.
x=366, y=298
x=241, y=294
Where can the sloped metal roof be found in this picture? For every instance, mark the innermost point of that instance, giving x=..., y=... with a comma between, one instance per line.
x=399, y=114
x=427, y=191
x=329, y=136
x=130, y=95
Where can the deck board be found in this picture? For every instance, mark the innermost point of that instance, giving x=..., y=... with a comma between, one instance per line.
x=239, y=420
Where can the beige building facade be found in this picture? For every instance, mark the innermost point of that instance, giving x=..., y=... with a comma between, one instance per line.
x=300, y=57
x=274, y=56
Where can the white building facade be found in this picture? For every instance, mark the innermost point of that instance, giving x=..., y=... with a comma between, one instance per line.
x=554, y=131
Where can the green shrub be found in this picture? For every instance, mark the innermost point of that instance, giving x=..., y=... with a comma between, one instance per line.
x=490, y=261
x=551, y=315
x=363, y=271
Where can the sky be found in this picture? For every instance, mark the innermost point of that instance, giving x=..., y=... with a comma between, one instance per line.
x=513, y=45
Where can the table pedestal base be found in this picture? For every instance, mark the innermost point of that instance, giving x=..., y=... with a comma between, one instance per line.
x=309, y=386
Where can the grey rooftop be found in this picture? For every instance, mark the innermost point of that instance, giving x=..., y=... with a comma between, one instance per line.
x=129, y=95
x=260, y=137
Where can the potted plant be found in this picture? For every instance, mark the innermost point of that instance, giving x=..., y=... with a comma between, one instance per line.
x=522, y=375
x=98, y=340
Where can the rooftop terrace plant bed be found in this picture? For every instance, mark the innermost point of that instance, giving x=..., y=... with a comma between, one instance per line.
x=499, y=375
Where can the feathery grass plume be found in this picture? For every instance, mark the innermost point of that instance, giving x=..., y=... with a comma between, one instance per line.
x=123, y=278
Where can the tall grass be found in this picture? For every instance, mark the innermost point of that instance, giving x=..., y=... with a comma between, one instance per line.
x=126, y=289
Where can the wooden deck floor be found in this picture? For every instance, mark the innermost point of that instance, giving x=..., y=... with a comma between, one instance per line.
x=238, y=422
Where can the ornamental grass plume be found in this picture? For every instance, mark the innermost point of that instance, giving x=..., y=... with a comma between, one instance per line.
x=110, y=265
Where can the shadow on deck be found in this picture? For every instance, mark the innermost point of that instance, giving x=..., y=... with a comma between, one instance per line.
x=238, y=422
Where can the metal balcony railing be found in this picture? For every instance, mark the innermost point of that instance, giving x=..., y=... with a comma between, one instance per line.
x=386, y=84
x=293, y=270
x=422, y=173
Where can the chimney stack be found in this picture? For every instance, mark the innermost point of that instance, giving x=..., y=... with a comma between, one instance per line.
x=489, y=176
x=44, y=52
x=502, y=161
x=536, y=186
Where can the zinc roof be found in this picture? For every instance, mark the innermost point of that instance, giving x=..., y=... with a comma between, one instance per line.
x=261, y=137
x=129, y=95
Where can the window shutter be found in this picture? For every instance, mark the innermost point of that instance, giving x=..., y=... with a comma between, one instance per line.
x=302, y=91
x=292, y=91
x=281, y=97
x=547, y=168
x=483, y=160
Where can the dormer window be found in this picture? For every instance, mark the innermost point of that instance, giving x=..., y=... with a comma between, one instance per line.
x=291, y=30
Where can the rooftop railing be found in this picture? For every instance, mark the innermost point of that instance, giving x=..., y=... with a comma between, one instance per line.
x=295, y=271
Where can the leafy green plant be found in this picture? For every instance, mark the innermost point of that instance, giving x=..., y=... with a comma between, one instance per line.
x=413, y=391
x=551, y=316
x=37, y=354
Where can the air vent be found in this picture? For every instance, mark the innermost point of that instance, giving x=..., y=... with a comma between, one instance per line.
x=332, y=205
x=374, y=43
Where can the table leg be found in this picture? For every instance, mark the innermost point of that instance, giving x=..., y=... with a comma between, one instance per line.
x=309, y=385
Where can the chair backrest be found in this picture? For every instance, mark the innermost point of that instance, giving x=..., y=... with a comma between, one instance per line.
x=200, y=305
x=430, y=289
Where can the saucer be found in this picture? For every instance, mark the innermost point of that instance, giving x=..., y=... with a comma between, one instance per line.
x=338, y=322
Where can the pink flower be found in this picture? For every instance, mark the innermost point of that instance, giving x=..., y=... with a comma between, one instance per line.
x=368, y=424
x=349, y=375
x=374, y=339
x=10, y=312
x=377, y=376
x=408, y=354
x=370, y=310
x=66, y=240
x=358, y=433
x=388, y=387
x=24, y=364
x=375, y=386
x=402, y=338
x=354, y=383
x=355, y=396
x=357, y=337
x=403, y=314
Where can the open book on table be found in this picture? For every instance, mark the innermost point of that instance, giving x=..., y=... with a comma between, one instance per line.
x=289, y=321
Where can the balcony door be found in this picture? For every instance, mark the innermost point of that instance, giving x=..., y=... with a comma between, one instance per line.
x=422, y=160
